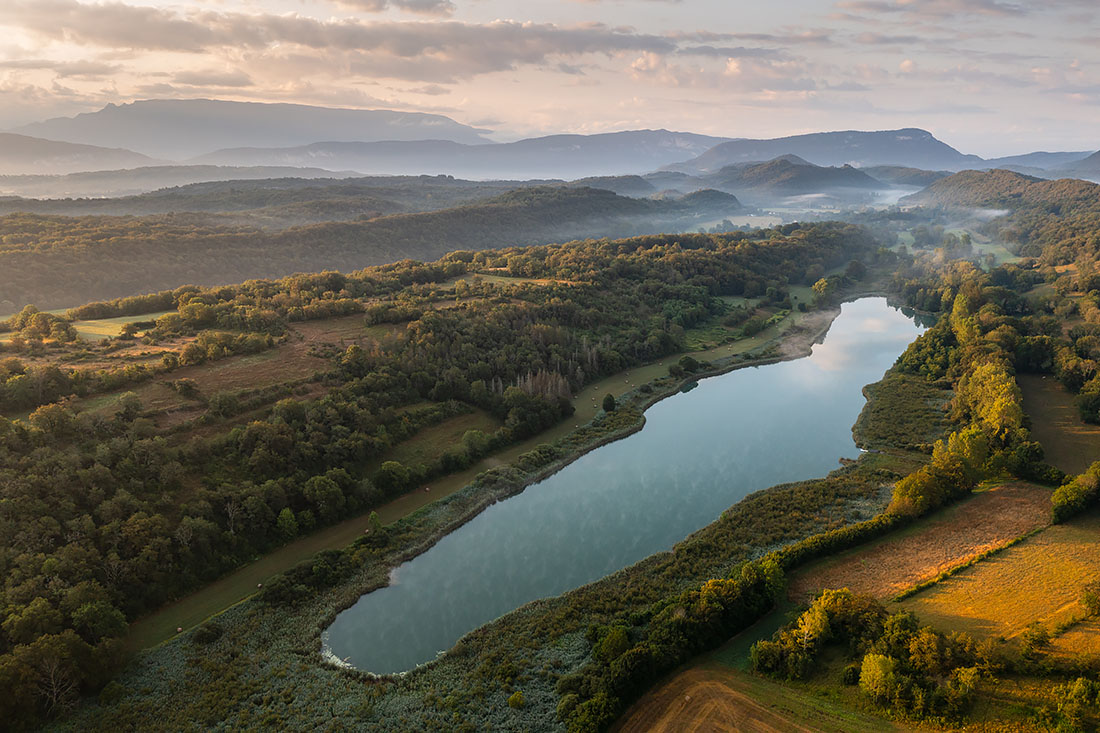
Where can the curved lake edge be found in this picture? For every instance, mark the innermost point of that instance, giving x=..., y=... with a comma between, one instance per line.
x=795, y=343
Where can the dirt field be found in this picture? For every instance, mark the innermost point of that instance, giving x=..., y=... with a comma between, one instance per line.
x=712, y=699
x=1039, y=579
x=945, y=540
x=1070, y=444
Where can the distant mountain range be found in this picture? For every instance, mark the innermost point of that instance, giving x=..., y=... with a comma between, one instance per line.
x=220, y=137
x=555, y=156
x=908, y=147
x=20, y=153
x=177, y=129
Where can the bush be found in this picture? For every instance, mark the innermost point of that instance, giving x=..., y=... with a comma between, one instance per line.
x=207, y=633
x=1074, y=497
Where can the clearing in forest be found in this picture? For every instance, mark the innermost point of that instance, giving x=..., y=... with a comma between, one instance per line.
x=946, y=540
x=1040, y=579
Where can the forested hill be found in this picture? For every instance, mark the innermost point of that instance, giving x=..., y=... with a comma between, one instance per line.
x=56, y=261
x=792, y=175
x=1004, y=189
x=1056, y=221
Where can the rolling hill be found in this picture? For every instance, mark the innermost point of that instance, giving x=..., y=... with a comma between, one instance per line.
x=1003, y=189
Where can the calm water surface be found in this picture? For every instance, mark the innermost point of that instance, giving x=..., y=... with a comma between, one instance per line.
x=699, y=453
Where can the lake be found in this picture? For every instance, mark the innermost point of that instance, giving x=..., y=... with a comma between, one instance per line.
x=700, y=452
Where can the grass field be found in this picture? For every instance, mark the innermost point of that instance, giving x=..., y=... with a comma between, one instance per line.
x=430, y=443
x=1039, y=579
x=111, y=327
x=1069, y=443
x=1082, y=638
x=941, y=542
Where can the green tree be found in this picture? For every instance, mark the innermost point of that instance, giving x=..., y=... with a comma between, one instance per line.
x=877, y=677
x=609, y=402
x=286, y=524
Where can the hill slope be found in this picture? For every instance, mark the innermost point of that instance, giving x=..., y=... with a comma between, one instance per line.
x=182, y=128
x=21, y=154
x=1004, y=189
x=906, y=147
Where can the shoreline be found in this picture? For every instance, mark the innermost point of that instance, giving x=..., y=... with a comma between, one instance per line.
x=796, y=342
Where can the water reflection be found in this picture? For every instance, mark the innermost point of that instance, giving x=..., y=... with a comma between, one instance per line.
x=700, y=452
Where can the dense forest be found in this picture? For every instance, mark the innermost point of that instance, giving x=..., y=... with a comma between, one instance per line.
x=54, y=261
x=106, y=518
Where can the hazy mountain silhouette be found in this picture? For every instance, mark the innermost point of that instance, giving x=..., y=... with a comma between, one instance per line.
x=553, y=156
x=907, y=147
x=22, y=154
x=183, y=128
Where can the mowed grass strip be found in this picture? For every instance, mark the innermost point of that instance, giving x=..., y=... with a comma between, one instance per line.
x=1040, y=579
x=934, y=545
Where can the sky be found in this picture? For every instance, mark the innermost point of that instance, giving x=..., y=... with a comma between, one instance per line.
x=991, y=77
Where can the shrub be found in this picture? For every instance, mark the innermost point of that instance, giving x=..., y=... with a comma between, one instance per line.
x=1074, y=497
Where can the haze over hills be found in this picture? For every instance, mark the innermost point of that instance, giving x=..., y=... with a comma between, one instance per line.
x=184, y=128
x=1042, y=160
x=285, y=201
x=790, y=175
x=129, y=182
x=554, y=156
x=97, y=257
x=1002, y=189
x=220, y=140
x=906, y=147
x=20, y=153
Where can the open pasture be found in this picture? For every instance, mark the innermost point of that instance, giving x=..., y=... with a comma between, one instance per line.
x=1040, y=579
x=1069, y=443
x=950, y=538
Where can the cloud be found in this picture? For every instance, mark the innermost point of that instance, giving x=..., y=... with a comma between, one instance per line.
x=426, y=51
x=88, y=70
x=426, y=7
x=432, y=90
x=879, y=39
x=212, y=78
x=936, y=8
